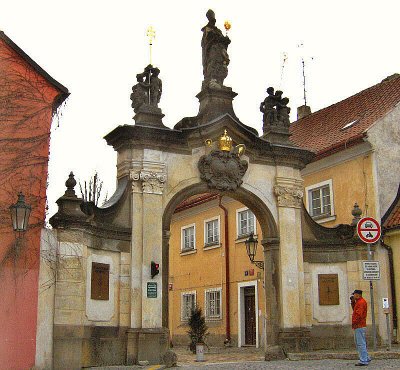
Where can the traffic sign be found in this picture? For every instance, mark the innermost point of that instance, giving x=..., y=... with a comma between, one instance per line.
x=371, y=270
x=369, y=230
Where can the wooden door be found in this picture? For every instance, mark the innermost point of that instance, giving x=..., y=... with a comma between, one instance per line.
x=250, y=316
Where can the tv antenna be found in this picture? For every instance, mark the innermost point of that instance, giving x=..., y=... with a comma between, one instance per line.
x=303, y=65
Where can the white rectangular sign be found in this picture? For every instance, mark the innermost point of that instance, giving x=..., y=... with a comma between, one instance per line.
x=371, y=270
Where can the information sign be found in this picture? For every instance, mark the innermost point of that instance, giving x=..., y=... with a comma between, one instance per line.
x=152, y=289
x=371, y=270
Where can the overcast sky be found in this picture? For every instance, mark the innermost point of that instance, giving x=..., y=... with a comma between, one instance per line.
x=95, y=49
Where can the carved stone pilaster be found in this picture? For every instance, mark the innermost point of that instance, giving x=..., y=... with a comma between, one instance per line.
x=289, y=192
x=146, y=181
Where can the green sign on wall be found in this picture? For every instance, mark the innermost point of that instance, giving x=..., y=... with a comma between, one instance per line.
x=152, y=289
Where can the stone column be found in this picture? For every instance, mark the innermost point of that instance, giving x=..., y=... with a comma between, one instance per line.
x=289, y=193
x=271, y=283
x=136, y=267
x=147, y=337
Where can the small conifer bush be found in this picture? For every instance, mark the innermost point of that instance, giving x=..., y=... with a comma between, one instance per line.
x=198, y=329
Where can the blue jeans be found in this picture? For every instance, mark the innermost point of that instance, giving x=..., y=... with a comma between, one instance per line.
x=361, y=344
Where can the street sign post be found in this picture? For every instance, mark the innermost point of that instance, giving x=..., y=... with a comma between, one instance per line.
x=369, y=231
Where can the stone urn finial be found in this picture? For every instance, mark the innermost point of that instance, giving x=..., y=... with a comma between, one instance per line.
x=356, y=212
x=70, y=184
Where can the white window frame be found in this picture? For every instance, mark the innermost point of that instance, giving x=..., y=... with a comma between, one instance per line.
x=206, y=311
x=192, y=293
x=214, y=243
x=183, y=249
x=321, y=218
x=238, y=226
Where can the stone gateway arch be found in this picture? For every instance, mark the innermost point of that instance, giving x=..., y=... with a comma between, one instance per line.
x=158, y=168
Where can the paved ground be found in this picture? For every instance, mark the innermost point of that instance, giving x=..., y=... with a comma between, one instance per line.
x=253, y=359
x=301, y=365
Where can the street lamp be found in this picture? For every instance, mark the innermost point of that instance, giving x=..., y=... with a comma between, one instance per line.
x=251, y=247
x=20, y=213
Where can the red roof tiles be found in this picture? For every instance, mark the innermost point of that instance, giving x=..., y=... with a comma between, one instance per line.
x=391, y=219
x=323, y=132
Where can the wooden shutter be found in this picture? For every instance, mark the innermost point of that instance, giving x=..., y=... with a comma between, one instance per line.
x=328, y=289
x=100, y=281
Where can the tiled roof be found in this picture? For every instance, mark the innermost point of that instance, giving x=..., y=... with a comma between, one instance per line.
x=343, y=124
x=195, y=200
x=391, y=219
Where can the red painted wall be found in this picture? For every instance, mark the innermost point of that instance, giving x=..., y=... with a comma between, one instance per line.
x=26, y=104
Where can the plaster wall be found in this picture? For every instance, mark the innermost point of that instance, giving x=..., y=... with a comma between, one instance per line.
x=358, y=170
x=384, y=137
x=392, y=238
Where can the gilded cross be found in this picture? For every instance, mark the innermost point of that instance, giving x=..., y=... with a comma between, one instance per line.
x=151, y=34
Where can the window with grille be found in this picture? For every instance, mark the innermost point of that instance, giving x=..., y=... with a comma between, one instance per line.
x=188, y=304
x=320, y=202
x=213, y=304
x=188, y=238
x=100, y=282
x=246, y=222
x=211, y=236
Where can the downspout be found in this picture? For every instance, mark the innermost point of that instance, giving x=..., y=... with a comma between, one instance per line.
x=392, y=282
x=226, y=232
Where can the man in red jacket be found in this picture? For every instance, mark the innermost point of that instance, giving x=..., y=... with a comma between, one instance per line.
x=359, y=324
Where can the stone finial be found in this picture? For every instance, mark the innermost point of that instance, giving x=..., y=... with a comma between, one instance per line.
x=356, y=212
x=70, y=184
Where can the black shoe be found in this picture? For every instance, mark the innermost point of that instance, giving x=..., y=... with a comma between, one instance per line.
x=360, y=364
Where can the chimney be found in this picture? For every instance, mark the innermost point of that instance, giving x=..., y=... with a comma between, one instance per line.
x=303, y=111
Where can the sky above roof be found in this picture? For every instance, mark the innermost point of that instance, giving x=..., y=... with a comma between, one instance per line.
x=95, y=49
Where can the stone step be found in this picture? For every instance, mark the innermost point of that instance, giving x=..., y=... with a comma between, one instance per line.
x=379, y=355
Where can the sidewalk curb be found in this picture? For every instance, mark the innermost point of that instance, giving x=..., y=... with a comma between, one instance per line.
x=379, y=355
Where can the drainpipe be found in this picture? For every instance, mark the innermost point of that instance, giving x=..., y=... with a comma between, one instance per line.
x=226, y=231
x=392, y=282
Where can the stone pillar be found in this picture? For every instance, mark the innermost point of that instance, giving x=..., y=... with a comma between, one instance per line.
x=293, y=335
x=136, y=268
x=271, y=283
x=147, y=340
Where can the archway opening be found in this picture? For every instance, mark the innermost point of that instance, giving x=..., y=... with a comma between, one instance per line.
x=206, y=265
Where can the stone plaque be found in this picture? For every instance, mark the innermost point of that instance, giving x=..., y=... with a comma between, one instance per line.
x=328, y=289
x=100, y=284
x=152, y=289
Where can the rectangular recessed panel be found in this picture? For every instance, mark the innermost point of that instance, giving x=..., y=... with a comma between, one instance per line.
x=100, y=284
x=328, y=289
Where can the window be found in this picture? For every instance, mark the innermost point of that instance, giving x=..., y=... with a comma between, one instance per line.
x=211, y=232
x=245, y=222
x=188, y=303
x=100, y=281
x=320, y=200
x=213, y=303
x=188, y=238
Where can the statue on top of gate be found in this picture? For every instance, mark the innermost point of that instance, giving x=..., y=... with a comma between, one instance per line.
x=276, y=119
x=147, y=92
x=215, y=56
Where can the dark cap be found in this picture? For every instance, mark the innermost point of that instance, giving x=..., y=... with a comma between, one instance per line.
x=357, y=291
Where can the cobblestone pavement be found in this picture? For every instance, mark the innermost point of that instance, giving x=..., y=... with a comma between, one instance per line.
x=288, y=365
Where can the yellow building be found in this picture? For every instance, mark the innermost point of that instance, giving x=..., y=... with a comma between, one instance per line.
x=357, y=146
x=209, y=267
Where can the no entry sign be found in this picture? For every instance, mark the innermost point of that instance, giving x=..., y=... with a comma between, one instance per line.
x=368, y=230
